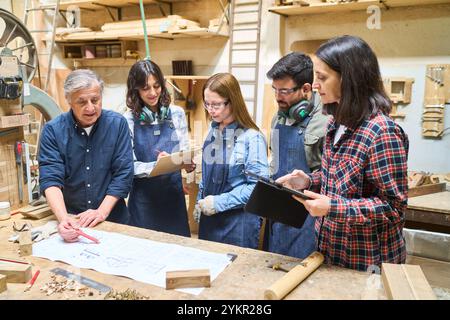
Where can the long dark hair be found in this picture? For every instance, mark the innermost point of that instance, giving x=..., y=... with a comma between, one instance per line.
x=362, y=90
x=137, y=79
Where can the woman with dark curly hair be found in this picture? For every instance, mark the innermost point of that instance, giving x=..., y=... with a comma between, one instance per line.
x=158, y=128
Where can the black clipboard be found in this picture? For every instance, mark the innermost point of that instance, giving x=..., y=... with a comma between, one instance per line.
x=274, y=201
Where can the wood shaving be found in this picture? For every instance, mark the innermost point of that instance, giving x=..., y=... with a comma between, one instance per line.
x=125, y=295
x=60, y=284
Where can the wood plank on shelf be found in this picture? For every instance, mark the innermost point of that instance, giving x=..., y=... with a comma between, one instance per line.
x=314, y=8
x=361, y=5
x=138, y=35
x=190, y=77
x=99, y=4
x=105, y=62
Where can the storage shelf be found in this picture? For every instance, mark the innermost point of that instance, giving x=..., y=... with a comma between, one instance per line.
x=133, y=35
x=100, y=4
x=189, y=77
x=103, y=62
x=315, y=8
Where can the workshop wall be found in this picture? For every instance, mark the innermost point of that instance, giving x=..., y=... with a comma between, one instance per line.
x=409, y=39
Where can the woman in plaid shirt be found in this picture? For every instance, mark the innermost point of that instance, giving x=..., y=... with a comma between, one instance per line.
x=360, y=194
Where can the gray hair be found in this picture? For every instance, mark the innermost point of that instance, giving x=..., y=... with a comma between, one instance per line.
x=81, y=79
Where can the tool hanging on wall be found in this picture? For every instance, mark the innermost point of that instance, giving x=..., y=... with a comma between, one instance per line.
x=190, y=102
x=18, y=153
x=399, y=91
x=437, y=95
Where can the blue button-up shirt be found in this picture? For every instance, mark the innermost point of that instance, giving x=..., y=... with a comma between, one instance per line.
x=87, y=167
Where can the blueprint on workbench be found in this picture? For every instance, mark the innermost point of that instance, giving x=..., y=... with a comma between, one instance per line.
x=139, y=259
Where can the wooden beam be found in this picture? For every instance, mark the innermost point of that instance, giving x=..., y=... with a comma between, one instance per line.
x=405, y=282
x=25, y=243
x=38, y=214
x=16, y=272
x=188, y=279
x=2, y=283
x=426, y=189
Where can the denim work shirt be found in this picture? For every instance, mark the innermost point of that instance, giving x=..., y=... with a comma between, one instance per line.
x=249, y=153
x=86, y=167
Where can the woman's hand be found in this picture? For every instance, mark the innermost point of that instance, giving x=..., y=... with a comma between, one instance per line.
x=297, y=180
x=318, y=206
x=162, y=154
x=189, y=167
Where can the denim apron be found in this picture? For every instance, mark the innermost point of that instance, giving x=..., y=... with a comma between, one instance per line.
x=235, y=226
x=284, y=239
x=158, y=203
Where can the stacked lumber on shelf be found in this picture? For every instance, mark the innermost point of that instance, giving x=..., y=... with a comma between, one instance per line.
x=421, y=183
x=161, y=27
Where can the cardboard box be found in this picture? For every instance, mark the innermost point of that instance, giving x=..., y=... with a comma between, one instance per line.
x=14, y=121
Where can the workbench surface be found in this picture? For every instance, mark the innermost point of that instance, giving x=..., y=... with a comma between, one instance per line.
x=435, y=202
x=246, y=278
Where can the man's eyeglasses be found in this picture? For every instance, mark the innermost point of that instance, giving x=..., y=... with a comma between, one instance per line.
x=215, y=106
x=285, y=92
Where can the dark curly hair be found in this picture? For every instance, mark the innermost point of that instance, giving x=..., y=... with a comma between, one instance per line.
x=137, y=79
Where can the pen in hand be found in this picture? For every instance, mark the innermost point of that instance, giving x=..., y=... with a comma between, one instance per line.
x=81, y=233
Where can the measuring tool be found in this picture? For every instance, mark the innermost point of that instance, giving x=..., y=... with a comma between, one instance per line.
x=83, y=280
x=18, y=152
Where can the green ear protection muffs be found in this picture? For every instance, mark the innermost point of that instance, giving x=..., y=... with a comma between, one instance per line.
x=298, y=111
x=149, y=116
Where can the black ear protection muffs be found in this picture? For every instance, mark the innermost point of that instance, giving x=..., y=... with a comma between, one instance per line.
x=298, y=111
x=149, y=116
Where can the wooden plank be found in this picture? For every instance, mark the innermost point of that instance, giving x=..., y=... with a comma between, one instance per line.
x=25, y=243
x=436, y=202
x=315, y=8
x=188, y=279
x=361, y=5
x=99, y=4
x=2, y=283
x=437, y=272
x=31, y=208
x=16, y=272
x=38, y=214
x=426, y=189
x=405, y=282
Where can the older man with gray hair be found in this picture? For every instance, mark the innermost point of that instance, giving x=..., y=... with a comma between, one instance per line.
x=86, y=159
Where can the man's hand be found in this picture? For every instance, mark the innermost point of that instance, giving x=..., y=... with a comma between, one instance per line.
x=90, y=218
x=207, y=206
x=319, y=206
x=297, y=180
x=67, y=229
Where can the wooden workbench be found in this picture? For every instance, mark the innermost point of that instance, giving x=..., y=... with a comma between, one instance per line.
x=430, y=212
x=246, y=278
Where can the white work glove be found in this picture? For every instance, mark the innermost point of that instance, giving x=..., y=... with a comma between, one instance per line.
x=207, y=206
x=197, y=213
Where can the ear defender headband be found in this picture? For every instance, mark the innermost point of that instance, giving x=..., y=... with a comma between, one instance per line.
x=148, y=116
x=300, y=111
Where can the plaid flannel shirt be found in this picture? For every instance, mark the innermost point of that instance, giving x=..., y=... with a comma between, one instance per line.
x=365, y=175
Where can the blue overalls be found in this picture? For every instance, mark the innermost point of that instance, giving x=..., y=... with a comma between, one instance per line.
x=157, y=203
x=290, y=155
x=235, y=226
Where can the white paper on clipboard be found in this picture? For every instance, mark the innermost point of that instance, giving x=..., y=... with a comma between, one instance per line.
x=173, y=162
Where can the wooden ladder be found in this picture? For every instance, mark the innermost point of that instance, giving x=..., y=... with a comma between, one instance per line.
x=245, y=30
